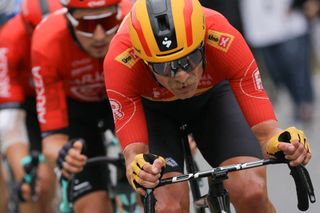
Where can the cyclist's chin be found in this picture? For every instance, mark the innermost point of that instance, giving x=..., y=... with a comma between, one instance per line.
x=97, y=52
x=184, y=94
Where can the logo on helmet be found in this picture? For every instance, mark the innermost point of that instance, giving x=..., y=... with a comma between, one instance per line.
x=166, y=42
x=96, y=3
x=81, y=3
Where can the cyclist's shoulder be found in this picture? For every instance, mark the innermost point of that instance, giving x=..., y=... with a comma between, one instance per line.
x=14, y=29
x=222, y=40
x=121, y=51
x=214, y=18
x=51, y=30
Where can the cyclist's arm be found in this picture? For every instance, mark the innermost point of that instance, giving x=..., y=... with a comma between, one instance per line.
x=52, y=113
x=264, y=131
x=14, y=142
x=296, y=152
x=133, y=149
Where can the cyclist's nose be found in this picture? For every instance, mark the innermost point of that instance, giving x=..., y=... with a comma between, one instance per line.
x=99, y=33
x=181, y=76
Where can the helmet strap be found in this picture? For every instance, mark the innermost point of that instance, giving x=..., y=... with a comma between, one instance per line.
x=73, y=34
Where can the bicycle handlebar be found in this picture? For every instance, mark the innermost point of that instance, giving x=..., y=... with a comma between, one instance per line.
x=30, y=165
x=304, y=187
x=102, y=159
x=217, y=170
x=65, y=206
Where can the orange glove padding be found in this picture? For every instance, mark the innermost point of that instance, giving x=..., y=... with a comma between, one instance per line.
x=137, y=165
x=288, y=135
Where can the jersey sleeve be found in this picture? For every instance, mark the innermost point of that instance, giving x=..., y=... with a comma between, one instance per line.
x=51, y=101
x=230, y=53
x=122, y=86
x=11, y=89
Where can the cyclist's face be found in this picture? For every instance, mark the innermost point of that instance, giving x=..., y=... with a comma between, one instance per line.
x=184, y=84
x=92, y=33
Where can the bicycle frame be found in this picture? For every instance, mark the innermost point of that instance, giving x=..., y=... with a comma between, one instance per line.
x=218, y=198
x=65, y=205
x=191, y=168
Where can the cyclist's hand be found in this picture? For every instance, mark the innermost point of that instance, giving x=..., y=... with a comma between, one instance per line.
x=293, y=144
x=70, y=159
x=145, y=171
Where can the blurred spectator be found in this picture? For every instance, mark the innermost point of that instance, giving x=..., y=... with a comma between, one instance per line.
x=279, y=30
x=229, y=8
x=312, y=11
x=311, y=8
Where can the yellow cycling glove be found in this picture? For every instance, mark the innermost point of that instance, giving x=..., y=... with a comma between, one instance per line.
x=288, y=135
x=137, y=165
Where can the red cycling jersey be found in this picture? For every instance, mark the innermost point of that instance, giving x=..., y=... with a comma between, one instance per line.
x=15, y=68
x=60, y=68
x=228, y=57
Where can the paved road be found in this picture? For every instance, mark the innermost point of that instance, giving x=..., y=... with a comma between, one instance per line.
x=280, y=183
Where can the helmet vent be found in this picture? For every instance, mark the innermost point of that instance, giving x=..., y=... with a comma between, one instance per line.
x=164, y=26
x=161, y=21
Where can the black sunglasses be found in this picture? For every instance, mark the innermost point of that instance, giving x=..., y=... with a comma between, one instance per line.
x=187, y=63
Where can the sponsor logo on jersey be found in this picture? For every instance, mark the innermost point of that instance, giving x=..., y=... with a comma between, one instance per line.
x=4, y=78
x=89, y=86
x=251, y=84
x=121, y=116
x=116, y=109
x=128, y=58
x=80, y=188
x=171, y=162
x=257, y=80
x=81, y=66
x=41, y=98
x=220, y=40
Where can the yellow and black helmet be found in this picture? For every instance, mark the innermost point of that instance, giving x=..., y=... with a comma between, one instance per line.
x=166, y=30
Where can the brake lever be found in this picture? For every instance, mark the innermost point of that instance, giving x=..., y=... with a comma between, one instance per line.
x=304, y=187
x=301, y=177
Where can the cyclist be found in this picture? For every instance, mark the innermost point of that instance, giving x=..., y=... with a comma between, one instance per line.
x=175, y=62
x=19, y=129
x=7, y=11
x=67, y=66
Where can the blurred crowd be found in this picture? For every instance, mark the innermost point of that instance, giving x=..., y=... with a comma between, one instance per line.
x=283, y=36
